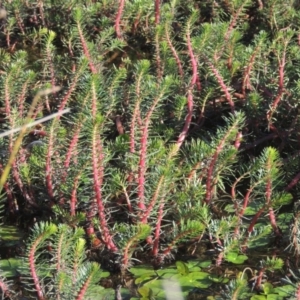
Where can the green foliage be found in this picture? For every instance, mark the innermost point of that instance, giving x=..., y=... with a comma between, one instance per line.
x=161, y=282
x=183, y=130
x=57, y=255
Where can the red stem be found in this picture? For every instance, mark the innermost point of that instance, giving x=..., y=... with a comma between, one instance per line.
x=73, y=199
x=142, y=169
x=254, y=219
x=273, y=222
x=49, y=183
x=190, y=102
x=280, y=90
x=20, y=22
x=229, y=30
x=21, y=99
x=118, y=18
x=157, y=57
x=68, y=95
x=223, y=86
x=247, y=72
x=86, y=50
x=246, y=201
x=153, y=201
x=83, y=289
x=143, y=153
x=293, y=182
x=4, y=288
x=15, y=169
x=268, y=200
x=70, y=151
x=98, y=175
x=32, y=267
x=259, y=278
x=174, y=52
x=210, y=170
x=157, y=12
x=155, y=247
x=238, y=140
x=298, y=287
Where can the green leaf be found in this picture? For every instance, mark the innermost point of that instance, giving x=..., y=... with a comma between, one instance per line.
x=182, y=268
x=170, y=270
x=105, y=274
x=235, y=258
x=145, y=291
x=100, y=293
x=141, y=270
x=253, y=208
x=144, y=278
x=198, y=275
x=268, y=288
x=274, y=297
x=218, y=279
x=10, y=235
x=285, y=290
x=230, y=208
x=10, y=266
x=283, y=199
x=196, y=265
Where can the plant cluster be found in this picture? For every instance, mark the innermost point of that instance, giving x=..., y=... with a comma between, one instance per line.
x=183, y=129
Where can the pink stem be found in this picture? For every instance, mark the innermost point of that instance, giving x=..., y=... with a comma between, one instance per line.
x=155, y=247
x=70, y=152
x=157, y=11
x=118, y=19
x=298, y=287
x=174, y=52
x=268, y=200
x=223, y=86
x=293, y=182
x=246, y=76
x=238, y=140
x=142, y=169
x=259, y=278
x=254, y=219
x=210, y=170
x=73, y=199
x=32, y=267
x=49, y=183
x=83, y=289
x=21, y=99
x=98, y=175
x=86, y=50
x=68, y=95
x=143, y=154
x=5, y=289
x=280, y=87
x=190, y=102
x=153, y=201
x=273, y=222
x=229, y=30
